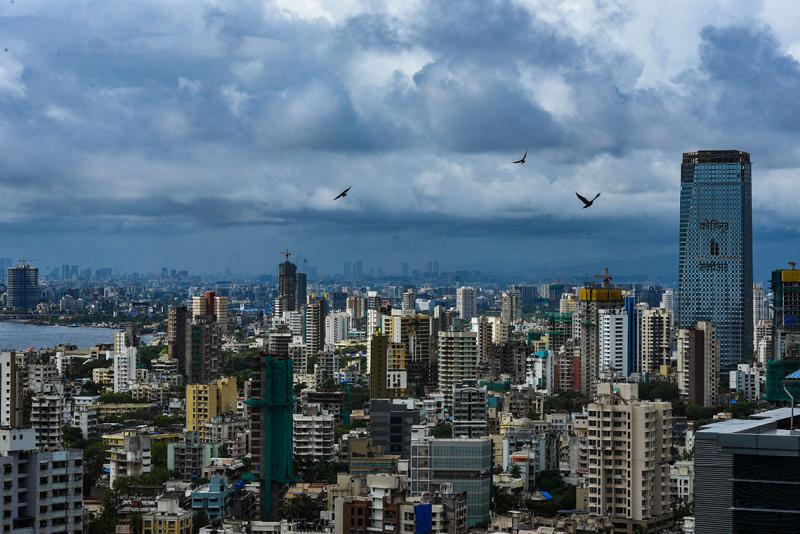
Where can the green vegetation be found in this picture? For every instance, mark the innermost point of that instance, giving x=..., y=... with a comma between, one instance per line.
x=661, y=390
x=320, y=471
x=301, y=508
x=85, y=369
x=148, y=353
x=549, y=481
x=442, y=430
x=115, y=398
x=565, y=402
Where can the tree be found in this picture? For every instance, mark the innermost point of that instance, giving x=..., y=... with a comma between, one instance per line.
x=94, y=456
x=199, y=520
x=442, y=430
x=515, y=471
x=358, y=398
x=109, y=397
x=565, y=402
x=158, y=454
x=73, y=438
x=659, y=389
x=301, y=508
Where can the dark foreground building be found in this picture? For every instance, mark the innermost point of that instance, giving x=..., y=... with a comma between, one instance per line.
x=747, y=475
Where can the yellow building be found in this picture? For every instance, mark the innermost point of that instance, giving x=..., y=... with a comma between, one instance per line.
x=103, y=376
x=206, y=401
x=169, y=518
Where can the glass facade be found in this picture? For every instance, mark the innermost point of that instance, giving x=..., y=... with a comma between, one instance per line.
x=715, y=266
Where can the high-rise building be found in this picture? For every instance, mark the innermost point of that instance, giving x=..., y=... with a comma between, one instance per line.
x=313, y=435
x=315, y=325
x=42, y=491
x=204, y=362
x=668, y=303
x=23, y=286
x=458, y=360
x=271, y=429
x=206, y=401
x=179, y=336
x=464, y=464
x=613, y=347
x=287, y=285
x=124, y=369
x=466, y=302
x=409, y=299
x=715, y=268
x=786, y=313
x=746, y=474
x=511, y=306
x=300, y=291
x=628, y=479
x=11, y=391
x=587, y=320
x=377, y=366
x=390, y=423
x=760, y=304
x=699, y=363
x=655, y=340
x=47, y=416
x=128, y=454
x=414, y=333
x=469, y=410
x=337, y=327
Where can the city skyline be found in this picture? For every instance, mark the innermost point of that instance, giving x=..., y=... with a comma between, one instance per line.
x=137, y=152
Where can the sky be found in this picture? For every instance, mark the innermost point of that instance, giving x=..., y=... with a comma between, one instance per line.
x=202, y=135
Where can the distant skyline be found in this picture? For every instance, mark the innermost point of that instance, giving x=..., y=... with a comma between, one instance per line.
x=201, y=136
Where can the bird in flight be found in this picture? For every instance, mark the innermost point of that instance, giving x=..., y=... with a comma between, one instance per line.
x=586, y=202
x=522, y=161
x=342, y=194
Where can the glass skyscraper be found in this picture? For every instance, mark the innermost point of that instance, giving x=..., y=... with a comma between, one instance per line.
x=715, y=266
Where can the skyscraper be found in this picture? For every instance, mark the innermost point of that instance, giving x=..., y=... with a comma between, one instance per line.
x=466, y=302
x=715, y=267
x=287, y=285
x=699, y=363
x=23, y=286
x=587, y=318
x=300, y=291
x=458, y=360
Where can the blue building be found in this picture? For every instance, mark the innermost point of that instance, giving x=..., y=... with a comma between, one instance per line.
x=715, y=266
x=213, y=498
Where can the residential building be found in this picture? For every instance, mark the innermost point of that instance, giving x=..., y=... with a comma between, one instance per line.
x=786, y=313
x=47, y=416
x=656, y=350
x=681, y=473
x=466, y=303
x=613, y=348
x=213, y=498
x=313, y=435
x=124, y=369
x=204, y=363
x=746, y=475
x=42, y=491
x=699, y=363
x=628, y=451
x=128, y=454
x=458, y=360
x=715, y=266
x=586, y=325
x=746, y=382
x=315, y=325
x=11, y=391
x=168, y=518
x=469, y=410
x=337, y=327
x=413, y=333
x=206, y=401
x=188, y=457
x=287, y=286
x=179, y=336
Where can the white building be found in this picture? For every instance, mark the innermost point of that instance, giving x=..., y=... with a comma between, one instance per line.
x=47, y=416
x=466, y=302
x=128, y=454
x=124, y=369
x=613, y=338
x=337, y=326
x=681, y=473
x=42, y=492
x=458, y=360
x=313, y=437
x=11, y=394
x=746, y=381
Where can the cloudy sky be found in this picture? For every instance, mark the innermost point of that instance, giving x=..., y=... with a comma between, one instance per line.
x=204, y=134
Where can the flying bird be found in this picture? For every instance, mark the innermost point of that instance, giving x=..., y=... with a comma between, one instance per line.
x=342, y=194
x=586, y=202
x=522, y=161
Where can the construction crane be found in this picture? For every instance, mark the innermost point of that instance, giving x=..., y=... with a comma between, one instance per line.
x=607, y=278
x=286, y=254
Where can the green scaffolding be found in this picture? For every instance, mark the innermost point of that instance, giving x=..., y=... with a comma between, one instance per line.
x=275, y=403
x=776, y=371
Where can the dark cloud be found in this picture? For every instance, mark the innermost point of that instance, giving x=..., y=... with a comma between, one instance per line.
x=244, y=118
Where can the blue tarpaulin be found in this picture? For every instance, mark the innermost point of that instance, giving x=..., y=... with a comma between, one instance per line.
x=423, y=515
x=547, y=496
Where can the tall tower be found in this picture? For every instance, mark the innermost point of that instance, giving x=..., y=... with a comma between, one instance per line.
x=179, y=335
x=587, y=319
x=287, y=284
x=23, y=286
x=466, y=303
x=715, y=266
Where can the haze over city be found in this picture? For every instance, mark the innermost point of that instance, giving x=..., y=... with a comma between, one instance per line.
x=210, y=135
